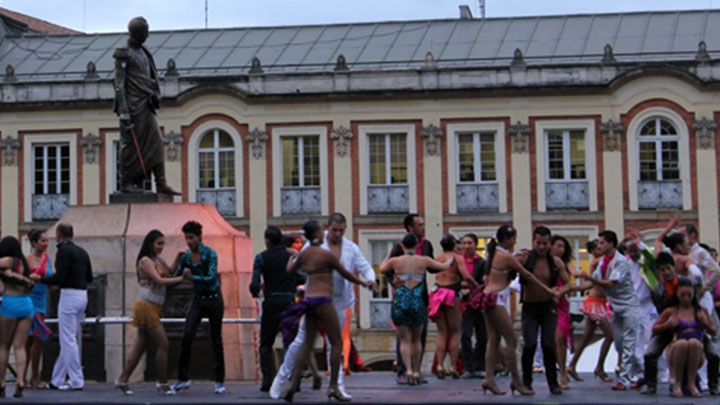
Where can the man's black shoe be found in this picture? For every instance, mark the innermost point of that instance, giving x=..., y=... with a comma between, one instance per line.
x=555, y=390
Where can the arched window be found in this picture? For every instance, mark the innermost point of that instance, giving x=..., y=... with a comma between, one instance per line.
x=216, y=171
x=659, y=181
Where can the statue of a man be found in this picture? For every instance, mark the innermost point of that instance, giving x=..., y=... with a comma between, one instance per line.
x=137, y=98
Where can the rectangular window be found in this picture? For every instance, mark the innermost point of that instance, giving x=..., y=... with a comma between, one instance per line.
x=388, y=158
x=51, y=169
x=566, y=155
x=301, y=161
x=378, y=251
x=476, y=157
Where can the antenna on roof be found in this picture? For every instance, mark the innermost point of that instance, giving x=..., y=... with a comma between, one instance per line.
x=482, y=9
x=206, y=12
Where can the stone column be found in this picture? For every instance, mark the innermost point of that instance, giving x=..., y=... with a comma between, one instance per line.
x=91, y=168
x=705, y=131
x=10, y=211
x=521, y=187
x=173, y=141
x=341, y=136
x=257, y=153
x=612, y=172
x=432, y=182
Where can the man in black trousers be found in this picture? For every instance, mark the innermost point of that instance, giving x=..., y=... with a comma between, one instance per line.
x=278, y=288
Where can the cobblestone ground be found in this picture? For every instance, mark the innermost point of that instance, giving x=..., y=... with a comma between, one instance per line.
x=374, y=387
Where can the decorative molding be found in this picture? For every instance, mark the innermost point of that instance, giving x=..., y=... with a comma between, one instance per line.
x=91, y=71
x=430, y=63
x=10, y=73
x=608, y=56
x=520, y=135
x=256, y=67
x=171, y=68
x=518, y=61
x=341, y=64
x=10, y=147
x=612, y=134
x=702, y=55
x=257, y=138
x=705, y=132
x=432, y=135
x=174, y=141
x=341, y=135
x=90, y=144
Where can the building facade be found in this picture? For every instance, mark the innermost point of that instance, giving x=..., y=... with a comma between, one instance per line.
x=581, y=123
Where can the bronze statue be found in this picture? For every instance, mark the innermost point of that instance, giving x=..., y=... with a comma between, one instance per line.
x=137, y=98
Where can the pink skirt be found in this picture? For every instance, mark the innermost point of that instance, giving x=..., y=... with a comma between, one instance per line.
x=438, y=298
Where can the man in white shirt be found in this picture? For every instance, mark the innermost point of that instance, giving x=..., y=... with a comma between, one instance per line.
x=613, y=274
x=352, y=258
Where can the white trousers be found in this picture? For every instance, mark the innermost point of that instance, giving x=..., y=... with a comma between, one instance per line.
x=293, y=351
x=625, y=328
x=71, y=313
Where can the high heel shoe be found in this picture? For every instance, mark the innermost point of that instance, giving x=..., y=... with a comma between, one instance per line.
x=454, y=374
x=521, y=388
x=164, y=389
x=334, y=392
x=317, y=382
x=602, y=375
x=493, y=388
x=574, y=374
x=440, y=373
x=124, y=387
x=2, y=392
x=288, y=392
x=19, y=391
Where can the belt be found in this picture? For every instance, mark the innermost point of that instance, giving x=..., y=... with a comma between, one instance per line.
x=207, y=297
x=281, y=294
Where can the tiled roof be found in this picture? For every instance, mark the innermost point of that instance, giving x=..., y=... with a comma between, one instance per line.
x=462, y=43
x=35, y=25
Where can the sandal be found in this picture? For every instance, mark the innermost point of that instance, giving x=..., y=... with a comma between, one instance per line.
x=124, y=387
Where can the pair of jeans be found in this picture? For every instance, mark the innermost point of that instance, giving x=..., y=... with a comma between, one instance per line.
x=201, y=307
x=539, y=315
x=269, y=328
x=473, y=322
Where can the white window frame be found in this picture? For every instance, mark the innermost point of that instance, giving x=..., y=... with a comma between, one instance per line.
x=364, y=160
x=632, y=135
x=657, y=141
x=192, y=156
x=567, y=164
x=365, y=237
x=587, y=125
x=29, y=140
x=216, y=159
x=277, y=164
x=452, y=165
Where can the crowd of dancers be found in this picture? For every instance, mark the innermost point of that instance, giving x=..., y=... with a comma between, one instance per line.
x=656, y=305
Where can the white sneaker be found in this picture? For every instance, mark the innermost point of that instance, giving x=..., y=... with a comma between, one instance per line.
x=276, y=388
x=181, y=385
x=220, y=388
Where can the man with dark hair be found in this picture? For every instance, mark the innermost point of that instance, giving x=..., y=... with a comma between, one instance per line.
x=414, y=224
x=473, y=321
x=278, y=289
x=540, y=310
x=73, y=273
x=614, y=275
x=207, y=302
x=137, y=98
x=350, y=256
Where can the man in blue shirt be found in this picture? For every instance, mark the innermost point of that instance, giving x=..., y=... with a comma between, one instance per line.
x=207, y=302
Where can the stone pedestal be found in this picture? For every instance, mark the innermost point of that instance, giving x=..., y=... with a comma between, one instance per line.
x=112, y=235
